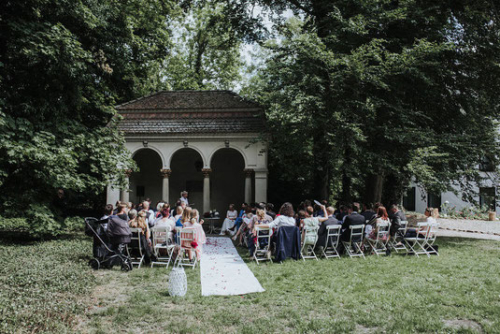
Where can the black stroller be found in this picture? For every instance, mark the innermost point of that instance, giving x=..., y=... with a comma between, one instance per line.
x=103, y=255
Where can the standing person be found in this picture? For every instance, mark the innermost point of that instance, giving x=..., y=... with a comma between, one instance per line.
x=353, y=218
x=231, y=216
x=322, y=232
x=184, y=198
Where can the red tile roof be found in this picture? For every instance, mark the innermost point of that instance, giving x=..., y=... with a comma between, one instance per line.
x=174, y=112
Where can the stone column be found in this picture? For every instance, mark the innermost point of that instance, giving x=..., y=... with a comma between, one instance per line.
x=206, y=189
x=124, y=195
x=261, y=186
x=248, y=185
x=166, y=184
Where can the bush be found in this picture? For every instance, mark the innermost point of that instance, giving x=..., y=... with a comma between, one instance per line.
x=41, y=225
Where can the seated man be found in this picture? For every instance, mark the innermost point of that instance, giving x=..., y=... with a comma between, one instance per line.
x=353, y=218
x=322, y=232
x=396, y=218
x=118, y=230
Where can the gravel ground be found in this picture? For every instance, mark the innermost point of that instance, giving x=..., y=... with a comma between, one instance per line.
x=448, y=233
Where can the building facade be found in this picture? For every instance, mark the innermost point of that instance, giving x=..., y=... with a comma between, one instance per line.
x=417, y=199
x=208, y=143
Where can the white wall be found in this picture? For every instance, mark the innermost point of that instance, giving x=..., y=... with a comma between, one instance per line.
x=253, y=152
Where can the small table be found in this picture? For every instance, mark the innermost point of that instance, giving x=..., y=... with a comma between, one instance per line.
x=211, y=222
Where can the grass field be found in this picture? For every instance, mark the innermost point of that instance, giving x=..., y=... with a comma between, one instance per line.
x=47, y=287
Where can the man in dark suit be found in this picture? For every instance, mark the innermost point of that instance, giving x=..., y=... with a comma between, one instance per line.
x=396, y=218
x=368, y=213
x=353, y=218
x=322, y=232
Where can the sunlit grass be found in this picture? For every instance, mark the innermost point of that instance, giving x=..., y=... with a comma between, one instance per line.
x=49, y=286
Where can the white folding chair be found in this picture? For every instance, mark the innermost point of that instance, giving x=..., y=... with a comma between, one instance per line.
x=134, y=249
x=187, y=236
x=309, y=242
x=163, y=245
x=417, y=244
x=397, y=243
x=353, y=246
x=379, y=244
x=332, y=241
x=431, y=238
x=262, y=253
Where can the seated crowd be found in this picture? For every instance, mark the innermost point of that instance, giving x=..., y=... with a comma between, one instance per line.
x=308, y=217
x=118, y=221
x=242, y=224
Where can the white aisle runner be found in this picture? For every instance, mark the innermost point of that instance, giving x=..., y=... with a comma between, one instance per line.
x=223, y=271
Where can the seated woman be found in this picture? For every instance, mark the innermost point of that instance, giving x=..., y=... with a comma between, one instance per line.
x=308, y=223
x=422, y=231
x=200, y=237
x=373, y=225
x=231, y=216
x=138, y=220
x=259, y=219
x=164, y=220
x=285, y=217
x=189, y=223
x=246, y=220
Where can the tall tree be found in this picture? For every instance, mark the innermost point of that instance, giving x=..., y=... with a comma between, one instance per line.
x=207, y=44
x=383, y=89
x=63, y=66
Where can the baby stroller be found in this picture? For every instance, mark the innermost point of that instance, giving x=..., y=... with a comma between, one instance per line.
x=103, y=255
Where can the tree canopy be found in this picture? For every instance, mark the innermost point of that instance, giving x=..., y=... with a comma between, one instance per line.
x=63, y=66
x=374, y=93
x=360, y=96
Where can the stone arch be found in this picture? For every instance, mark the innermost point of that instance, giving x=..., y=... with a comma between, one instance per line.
x=186, y=166
x=227, y=178
x=162, y=157
x=222, y=147
x=181, y=147
x=147, y=180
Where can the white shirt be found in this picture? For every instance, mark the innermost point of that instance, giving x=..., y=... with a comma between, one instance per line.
x=431, y=220
x=185, y=200
x=232, y=214
x=282, y=221
x=105, y=225
x=150, y=218
x=164, y=222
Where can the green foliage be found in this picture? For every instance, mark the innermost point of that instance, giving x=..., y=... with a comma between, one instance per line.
x=396, y=294
x=45, y=285
x=206, y=52
x=64, y=65
x=391, y=90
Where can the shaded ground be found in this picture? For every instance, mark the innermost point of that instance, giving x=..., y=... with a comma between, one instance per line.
x=457, y=292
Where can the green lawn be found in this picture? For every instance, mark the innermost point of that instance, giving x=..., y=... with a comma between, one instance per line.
x=48, y=287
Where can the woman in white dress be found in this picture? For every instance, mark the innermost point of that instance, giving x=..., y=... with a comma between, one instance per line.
x=231, y=216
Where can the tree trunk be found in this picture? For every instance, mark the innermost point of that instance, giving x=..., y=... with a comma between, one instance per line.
x=393, y=190
x=374, y=187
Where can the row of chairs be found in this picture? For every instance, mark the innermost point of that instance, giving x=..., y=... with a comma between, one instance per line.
x=356, y=246
x=163, y=247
